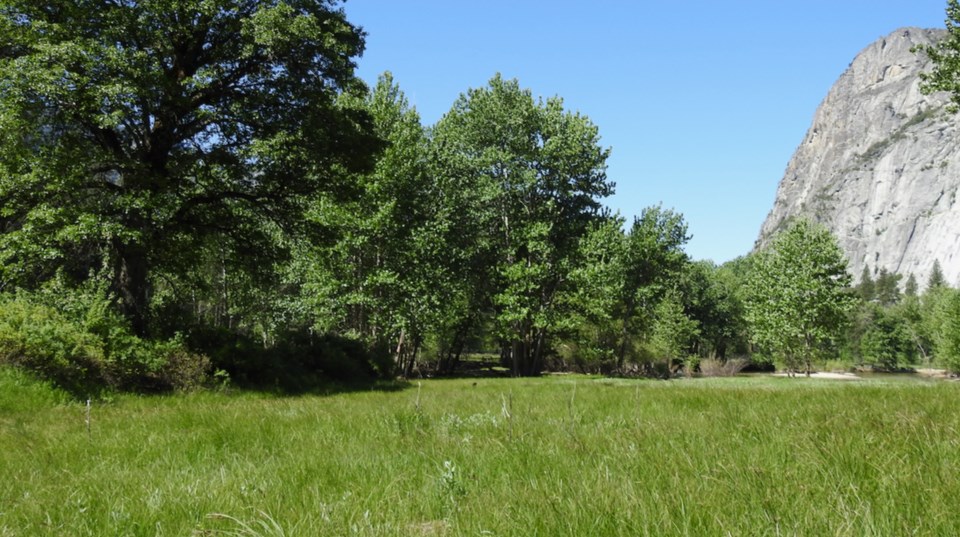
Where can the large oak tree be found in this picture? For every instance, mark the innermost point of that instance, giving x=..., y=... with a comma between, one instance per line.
x=134, y=132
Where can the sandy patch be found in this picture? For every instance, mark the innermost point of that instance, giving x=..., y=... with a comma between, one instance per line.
x=823, y=375
x=937, y=373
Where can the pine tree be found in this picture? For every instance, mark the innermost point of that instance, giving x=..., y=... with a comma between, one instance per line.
x=937, y=279
x=867, y=287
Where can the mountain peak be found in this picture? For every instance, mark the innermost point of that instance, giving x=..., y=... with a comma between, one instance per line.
x=880, y=165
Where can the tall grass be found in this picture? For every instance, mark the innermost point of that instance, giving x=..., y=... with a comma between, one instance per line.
x=551, y=456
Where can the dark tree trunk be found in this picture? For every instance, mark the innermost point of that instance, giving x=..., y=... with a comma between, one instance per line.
x=450, y=358
x=526, y=358
x=624, y=336
x=131, y=285
x=538, y=351
x=399, y=359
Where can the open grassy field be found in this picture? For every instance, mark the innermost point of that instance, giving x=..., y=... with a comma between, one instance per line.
x=552, y=456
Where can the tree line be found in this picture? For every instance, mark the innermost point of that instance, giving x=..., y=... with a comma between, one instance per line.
x=189, y=187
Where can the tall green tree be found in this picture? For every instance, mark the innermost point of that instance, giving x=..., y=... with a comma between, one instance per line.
x=383, y=279
x=639, y=301
x=945, y=328
x=673, y=332
x=653, y=261
x=798, y=297
x=710, y=296
x=910, y=289
x=887, y=342
x=597, y=280
x=936, y=280
x=867, y=288
x=912, y=311
x=945, y=55
x=887, y=288
x=534, y=175
x=136, y=133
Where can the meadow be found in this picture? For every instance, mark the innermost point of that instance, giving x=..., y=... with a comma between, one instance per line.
x=559, y=455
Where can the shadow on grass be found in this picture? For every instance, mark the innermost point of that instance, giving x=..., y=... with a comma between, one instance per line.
x=321, y=387
x=278, y=387
x=472, y=368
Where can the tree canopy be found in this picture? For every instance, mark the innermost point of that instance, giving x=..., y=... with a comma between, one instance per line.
x=135, y=132
x=530, y=175
x=798, y=297
x=945, y=55
x=196, y=184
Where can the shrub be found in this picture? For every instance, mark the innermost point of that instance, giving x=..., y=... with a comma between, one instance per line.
x=586, y=356
x=333, y=357
x=157, y=366
x=712, y=367
x=40, y=339
x=86, y=350
x=298, y=361
x=240, y=356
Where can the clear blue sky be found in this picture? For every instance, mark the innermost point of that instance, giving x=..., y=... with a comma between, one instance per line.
x=702, y=102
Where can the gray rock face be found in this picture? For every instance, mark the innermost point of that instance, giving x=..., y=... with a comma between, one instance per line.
x=880, y=167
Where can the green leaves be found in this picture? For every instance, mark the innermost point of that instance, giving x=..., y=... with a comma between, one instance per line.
x=945, y=56
x=522, y=181
x=139, y=133
x=798, y=299
x=382, y=279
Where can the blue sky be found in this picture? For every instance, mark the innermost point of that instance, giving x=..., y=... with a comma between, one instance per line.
x=702, y=102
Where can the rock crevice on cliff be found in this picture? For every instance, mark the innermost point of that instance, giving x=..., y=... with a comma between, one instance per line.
x=880, y=166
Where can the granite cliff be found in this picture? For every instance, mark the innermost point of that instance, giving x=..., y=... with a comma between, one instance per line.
x=880, y=166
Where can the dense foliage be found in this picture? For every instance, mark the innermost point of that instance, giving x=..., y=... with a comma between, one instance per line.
x=945, y=55
x=797, y=295
x=145, y=137
x=77, y=340
x=189, y=187
x=529, y=177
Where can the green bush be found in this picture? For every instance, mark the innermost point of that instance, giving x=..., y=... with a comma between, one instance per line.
x=298, y=361
x=180, y=369
x=947, y=330
x=328, y=356
x=76, y=341
x=240, y=356
x=887, y=344
x=587, y=356
x=40, y=339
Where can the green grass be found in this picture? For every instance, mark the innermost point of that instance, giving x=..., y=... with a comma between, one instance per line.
x=563, y=455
